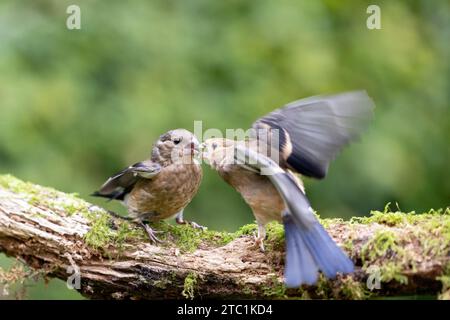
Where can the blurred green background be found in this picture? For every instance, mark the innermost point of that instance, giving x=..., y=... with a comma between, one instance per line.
x=76, y=106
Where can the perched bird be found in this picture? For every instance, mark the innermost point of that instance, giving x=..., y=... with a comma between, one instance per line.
x=162, y=186
x=301, y=137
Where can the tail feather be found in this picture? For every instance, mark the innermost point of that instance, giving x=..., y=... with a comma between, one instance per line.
x=115, y=195
x=329, y=257
x=309, y=248
x=316, y=250
x=300, y=267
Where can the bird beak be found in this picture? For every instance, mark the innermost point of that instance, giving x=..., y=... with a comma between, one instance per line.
x=204, y=151
x=194, y=148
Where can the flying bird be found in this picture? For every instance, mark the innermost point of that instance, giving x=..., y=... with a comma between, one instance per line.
x=161, y=186
x=302, y=137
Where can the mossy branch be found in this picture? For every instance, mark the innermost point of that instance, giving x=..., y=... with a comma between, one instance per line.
x=62, y=235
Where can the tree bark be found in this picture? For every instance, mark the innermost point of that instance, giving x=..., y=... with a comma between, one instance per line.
x=47, y=230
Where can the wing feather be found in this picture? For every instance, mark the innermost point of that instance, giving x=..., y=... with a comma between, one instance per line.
x=318, y=128
x=121, y=183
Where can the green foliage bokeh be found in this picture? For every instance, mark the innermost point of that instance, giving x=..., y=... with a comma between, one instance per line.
x=77, y=106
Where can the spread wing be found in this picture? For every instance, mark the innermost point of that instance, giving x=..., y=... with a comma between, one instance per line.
x=313, y=130
x=121, y=183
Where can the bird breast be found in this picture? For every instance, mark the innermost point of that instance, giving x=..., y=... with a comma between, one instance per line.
x=167, y=193
x=257, y=191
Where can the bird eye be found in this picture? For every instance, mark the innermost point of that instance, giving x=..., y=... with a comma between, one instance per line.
x=176, y=140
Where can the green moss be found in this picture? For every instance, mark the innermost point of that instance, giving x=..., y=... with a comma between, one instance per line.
x=351, y=289
x=386, y=217
x=189, y=285
x=328, y=222
x=323, y=288
x=246, y=230
x=188, y=239
x=393, y=271
x=344, y=287
x=64, y=203
x=31, y=193
x=217, y=238
x=384, y=251
x=390, y=219
x=18, y=186
x=274, y=289
x=34, y=199
x=125, y=232
x=162, y=283
x=428, y=232
x=247, y=291
x=275, y=235
x=100, y=234
x=399, y=218
x=383, y=242
x=73, y=207
x=274, y=238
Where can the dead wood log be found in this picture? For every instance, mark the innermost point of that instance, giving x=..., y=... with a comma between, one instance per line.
x=64, y=236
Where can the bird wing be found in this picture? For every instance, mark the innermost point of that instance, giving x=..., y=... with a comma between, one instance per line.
x=121, y=183
x=294, y=198
x=308, y=245
x=313, y=130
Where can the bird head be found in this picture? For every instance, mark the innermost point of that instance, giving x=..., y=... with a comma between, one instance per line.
x=217, y=151
x=176, y=146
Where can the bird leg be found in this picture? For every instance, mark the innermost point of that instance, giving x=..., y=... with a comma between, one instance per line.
x=112, y=222
x=180, y=220
x=259, y=239
x=150, y=232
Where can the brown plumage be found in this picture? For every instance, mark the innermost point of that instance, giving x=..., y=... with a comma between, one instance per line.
x=166, y=194
x=162, y=186
x=257, y=190
x=302, y=137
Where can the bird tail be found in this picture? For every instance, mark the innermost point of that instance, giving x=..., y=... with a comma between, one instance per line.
x=309, y=249
x=119, y=195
